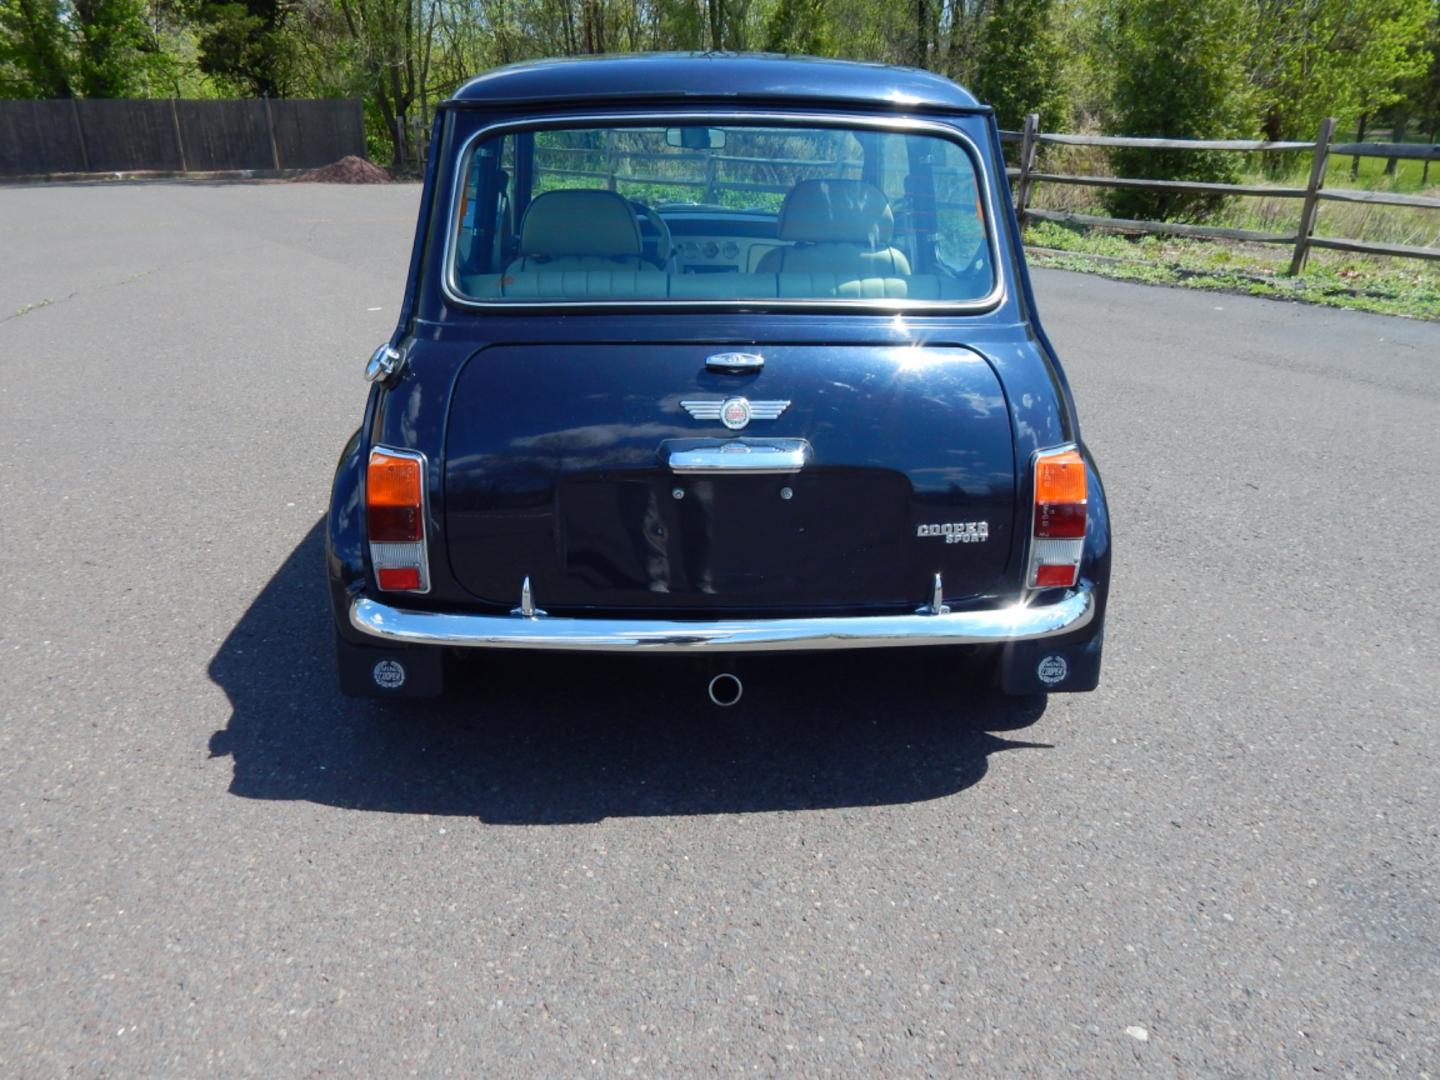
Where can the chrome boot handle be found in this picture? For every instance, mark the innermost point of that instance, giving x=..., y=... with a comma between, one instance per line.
x=735, y=363
x=709, y=456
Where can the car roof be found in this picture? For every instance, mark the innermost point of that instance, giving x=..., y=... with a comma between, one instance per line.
x=715, y=77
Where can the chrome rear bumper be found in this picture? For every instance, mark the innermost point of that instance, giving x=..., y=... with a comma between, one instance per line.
x=994, y=626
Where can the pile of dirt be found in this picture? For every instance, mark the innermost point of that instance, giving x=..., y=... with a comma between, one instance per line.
x=348, y=170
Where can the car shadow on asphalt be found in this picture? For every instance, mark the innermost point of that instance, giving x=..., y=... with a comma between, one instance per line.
x=534, y=739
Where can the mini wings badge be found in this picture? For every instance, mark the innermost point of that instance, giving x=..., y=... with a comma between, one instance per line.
x=736, y=412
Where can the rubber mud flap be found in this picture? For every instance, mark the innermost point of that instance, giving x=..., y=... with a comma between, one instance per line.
x=387, y=672
x=1046, y=667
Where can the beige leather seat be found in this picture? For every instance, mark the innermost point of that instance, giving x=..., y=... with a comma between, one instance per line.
x=579, y=229
x=840, y=227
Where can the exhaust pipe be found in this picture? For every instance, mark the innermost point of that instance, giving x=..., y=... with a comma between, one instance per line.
x=725, y=689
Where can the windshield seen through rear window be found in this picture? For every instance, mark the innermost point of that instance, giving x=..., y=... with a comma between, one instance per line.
x=726, y=213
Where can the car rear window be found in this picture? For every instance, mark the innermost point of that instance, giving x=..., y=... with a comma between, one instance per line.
x=726, y=213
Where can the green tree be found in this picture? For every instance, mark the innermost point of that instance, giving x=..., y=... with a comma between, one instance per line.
x=1020, y=67
x=114, y=48
x=33, y=60
x=1416, y=95
x=1310, y=59
x=1082, y=30
x=799, y=26
x=390, y=46
x=1178, y=75
x=1424, y=98
x=679, y=24
x=243, y=44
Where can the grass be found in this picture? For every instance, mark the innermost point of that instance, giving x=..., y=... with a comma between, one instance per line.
x=1410, y=175
x=1332, y=278
x=1371, y=283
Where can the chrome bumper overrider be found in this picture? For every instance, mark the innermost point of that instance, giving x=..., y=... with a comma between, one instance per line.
x=990, y=627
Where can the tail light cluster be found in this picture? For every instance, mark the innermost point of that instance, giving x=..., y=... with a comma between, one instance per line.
x=1059, y=536
x=395, y=520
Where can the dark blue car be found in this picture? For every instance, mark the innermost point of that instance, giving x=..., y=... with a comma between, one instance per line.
x=717, y=355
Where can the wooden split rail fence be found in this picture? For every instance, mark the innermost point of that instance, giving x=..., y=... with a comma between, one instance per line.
x=1027, y=175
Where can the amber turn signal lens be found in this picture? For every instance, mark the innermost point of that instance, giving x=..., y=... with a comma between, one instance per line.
x=1060, y=478
x=392, y=481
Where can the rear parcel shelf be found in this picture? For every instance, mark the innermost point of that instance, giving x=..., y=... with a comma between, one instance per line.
x=579, y=285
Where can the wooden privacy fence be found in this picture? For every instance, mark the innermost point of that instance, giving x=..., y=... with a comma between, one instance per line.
x=45, y=138
x=1026, y=176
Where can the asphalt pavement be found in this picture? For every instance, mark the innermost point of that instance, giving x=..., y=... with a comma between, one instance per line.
x=1224, y=862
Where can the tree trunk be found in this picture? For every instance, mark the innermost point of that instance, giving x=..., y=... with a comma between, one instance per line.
x=1273, y=164
x=922, y=32
x=402, y=143
x=1396, y=135
x=1359, y=137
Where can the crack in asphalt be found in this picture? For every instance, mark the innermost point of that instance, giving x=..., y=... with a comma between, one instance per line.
x=26, y=309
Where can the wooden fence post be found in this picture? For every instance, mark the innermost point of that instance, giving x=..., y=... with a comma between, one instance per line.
x=1029, y=145
x=270, y=130
x=80, y=131
x=1312, y=195
x=179, y=142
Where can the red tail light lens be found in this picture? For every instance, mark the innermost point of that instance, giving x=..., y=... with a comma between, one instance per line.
x=1053, y=576
x=399, y=577
x=1060, y=513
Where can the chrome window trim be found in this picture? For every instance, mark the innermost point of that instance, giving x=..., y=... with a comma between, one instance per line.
x=894, y=124
x=419, y=456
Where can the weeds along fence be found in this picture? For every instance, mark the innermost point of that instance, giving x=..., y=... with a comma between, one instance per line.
x=80, y=136
x=1027, y=175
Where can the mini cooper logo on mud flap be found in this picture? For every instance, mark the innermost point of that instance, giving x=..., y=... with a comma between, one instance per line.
x=957, y=532
x=389, y=674
x=1052, y=669
x=736, y=412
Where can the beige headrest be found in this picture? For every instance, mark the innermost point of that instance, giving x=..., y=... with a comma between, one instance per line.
x=837, y=212
x=580, y=222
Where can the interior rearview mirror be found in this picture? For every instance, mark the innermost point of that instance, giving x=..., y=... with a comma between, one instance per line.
x=696, y=138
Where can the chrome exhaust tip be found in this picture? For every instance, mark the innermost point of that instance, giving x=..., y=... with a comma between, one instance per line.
x=725, y=689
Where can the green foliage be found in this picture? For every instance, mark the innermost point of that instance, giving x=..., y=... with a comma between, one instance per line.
x=33, y=59
x=114, y=48
x=799, y=26
x=1020, y=65
x=95, y=48
x=243, y=45
x=680, y=24
x=1310, y=59
x=1178, y=75
x=1422, y=102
